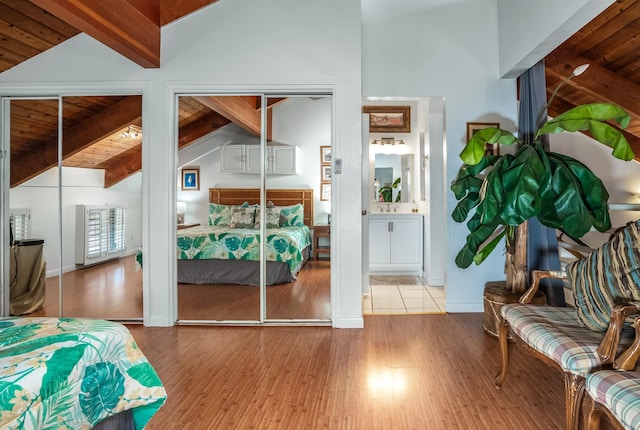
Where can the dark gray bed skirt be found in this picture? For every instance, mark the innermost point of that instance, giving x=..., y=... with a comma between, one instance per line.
x=122, y=421
x=231, y=272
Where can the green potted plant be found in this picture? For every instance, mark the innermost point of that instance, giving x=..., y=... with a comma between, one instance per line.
x=498, y=194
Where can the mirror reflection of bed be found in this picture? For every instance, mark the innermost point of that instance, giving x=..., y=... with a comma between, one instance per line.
x=212, y=286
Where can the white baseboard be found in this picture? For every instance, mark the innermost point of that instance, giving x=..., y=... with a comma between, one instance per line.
x=349, y=323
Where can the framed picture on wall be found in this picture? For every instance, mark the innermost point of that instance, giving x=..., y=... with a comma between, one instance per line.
x=190, y=178
x=386, y=119
x=325, y=173
x=473, y=127
x=325, y=191
x=325, y=155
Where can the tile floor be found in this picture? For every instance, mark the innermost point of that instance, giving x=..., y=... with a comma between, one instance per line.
x=402, y=295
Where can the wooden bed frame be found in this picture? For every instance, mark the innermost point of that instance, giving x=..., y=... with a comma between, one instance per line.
x=237, y=196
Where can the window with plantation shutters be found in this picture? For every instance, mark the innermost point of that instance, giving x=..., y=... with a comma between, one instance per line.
x=101, y=233
x=19, y=220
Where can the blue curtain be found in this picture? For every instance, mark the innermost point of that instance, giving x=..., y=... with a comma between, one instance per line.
x=542, y=246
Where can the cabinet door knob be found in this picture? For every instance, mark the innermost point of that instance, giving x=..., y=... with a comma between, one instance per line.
x=364, y=212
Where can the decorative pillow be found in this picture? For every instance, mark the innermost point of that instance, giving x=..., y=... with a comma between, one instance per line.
x=610, y=274
x=221, y=214
x=242, y=217
x=273, y=218
x=292, y=216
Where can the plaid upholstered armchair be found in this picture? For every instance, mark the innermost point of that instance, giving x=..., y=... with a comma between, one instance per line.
x=615, y=393
x=585, y=339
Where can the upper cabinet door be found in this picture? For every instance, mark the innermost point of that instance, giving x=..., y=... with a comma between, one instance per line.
x=233, y=159
x=283, y=159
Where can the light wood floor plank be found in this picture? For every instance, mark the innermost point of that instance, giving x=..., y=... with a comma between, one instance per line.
x=399, y=372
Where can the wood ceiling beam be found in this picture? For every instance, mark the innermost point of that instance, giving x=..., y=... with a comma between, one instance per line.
x=170, y=10
x=239, y=110
x=189, y=133
x=600, y=83
x=126, y=28
x=76, y=138
x=122, y=166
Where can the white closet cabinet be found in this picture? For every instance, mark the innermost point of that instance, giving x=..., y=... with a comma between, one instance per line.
x=396, y=243
x=245, y=159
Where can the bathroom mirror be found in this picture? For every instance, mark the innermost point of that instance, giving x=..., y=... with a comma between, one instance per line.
x=393, y=178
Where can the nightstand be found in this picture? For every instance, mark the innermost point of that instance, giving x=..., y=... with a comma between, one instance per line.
x=321, y=231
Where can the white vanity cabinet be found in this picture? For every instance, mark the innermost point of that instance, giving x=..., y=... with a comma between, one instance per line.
x=245, y=159
x=396, y=243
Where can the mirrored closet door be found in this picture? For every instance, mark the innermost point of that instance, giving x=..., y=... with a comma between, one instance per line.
x=246, y=194
x=76, y=174
x=34, y=205
x=101, y=188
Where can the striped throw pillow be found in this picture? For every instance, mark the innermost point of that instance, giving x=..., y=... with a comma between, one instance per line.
x=610, y=274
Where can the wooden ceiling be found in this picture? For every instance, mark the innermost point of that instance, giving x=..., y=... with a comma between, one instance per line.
x=610, y=43
x=93, y=127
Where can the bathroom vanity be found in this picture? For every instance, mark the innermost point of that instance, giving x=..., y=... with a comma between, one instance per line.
x=396, y=243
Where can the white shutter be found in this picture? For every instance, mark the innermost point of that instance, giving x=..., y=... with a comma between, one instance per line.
x=116, y=229
x=20, y=220
x=101, y=233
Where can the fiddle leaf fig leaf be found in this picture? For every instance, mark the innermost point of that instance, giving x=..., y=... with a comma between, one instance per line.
x=464, y=206
x=477, y=236
x=521, y=182
x=474, y=150
x=488, y=248
x=593, y=118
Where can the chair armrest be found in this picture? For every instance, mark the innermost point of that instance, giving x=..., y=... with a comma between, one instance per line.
x=629, y=358
x=537, y=276
x=609, y=345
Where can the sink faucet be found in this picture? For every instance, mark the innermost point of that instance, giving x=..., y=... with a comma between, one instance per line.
x=388, y=208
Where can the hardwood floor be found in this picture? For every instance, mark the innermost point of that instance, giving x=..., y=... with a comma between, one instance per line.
x=399, y=372
x=113, y=290
x=308, y=297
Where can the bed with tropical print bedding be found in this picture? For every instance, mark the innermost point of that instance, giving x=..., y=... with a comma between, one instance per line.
x=73, y=373
x=284, y=244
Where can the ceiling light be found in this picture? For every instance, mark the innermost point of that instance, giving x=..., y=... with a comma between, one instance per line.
x=133, y=132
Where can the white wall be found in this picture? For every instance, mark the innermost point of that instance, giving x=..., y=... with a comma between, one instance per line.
x=530, y=30
x=79, y=186
x=436, y=50
x=268, y=46
x=298, y=121
x=449, y=50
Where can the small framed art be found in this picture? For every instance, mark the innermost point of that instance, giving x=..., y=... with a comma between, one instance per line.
x=325, y=173
x=325, y=155
x=473, y=127
x=325, y=191
x=190, y=179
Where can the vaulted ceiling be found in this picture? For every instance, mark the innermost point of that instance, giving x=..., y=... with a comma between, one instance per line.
x=94, y=127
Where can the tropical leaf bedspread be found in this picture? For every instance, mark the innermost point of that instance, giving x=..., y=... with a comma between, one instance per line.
x=72, y=373
x=285, y=244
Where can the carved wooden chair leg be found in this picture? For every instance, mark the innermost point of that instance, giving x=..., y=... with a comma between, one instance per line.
x=574, y=393
x=504, y=352
x=593, y=419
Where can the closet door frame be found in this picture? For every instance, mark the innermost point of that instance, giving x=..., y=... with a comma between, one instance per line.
x=265, y=93
x=59, y=90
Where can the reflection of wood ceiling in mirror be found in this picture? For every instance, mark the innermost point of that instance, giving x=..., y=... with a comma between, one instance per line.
x=30, y=27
